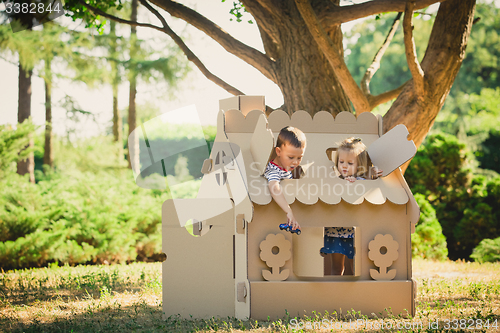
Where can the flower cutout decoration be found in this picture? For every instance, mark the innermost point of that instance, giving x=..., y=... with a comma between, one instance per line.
x=383, y=251
x=275, y=251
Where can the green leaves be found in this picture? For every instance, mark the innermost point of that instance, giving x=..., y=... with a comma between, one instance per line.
x=467, y=205
x=487, y=251
x=428, y=241
x=12, y=145
x=238, y=11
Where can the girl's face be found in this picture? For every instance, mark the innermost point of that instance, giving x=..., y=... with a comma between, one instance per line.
x=348, y=163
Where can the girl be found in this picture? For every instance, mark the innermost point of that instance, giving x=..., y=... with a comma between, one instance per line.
x=352, y=163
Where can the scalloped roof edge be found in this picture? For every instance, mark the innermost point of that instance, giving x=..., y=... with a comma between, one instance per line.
x=321, y=122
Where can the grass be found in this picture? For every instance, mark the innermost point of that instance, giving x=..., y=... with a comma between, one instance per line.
x=127, y=298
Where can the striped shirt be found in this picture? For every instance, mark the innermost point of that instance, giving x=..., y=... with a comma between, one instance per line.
x=275, y=172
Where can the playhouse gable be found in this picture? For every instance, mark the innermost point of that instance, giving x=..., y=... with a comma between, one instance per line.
x=252, y=134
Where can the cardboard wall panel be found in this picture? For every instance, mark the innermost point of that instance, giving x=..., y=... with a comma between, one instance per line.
x=277, y=299
x=198, y=270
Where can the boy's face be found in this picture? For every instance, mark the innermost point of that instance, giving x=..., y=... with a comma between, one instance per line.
x=348, y=163
x=288, y=156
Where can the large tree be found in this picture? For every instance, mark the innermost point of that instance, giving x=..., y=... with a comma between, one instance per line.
x=304, y=52
x=21, y=43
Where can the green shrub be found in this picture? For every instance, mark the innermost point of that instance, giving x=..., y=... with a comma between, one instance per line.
x=76, y=218
x=428, y=240
x=467, y=205
x=439, y=168
x=87, y=211
x=488, y=250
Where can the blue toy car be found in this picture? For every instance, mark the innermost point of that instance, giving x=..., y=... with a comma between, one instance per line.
x=287, y=227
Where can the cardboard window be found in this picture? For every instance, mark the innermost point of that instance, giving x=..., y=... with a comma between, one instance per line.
x=350, y=267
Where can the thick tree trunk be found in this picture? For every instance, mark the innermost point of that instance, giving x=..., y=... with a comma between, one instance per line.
x=307, y=80
x=26, y=166
x=48, y=155
x=133, y=141
x=442, y=60
x=304, y=75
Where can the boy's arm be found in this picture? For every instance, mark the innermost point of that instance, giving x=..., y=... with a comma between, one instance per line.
x=279, y=198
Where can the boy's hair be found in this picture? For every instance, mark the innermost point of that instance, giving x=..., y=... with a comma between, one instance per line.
x=292, y=136
x=355, y=146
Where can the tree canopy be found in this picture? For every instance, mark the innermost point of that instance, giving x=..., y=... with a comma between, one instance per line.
x=303, y=55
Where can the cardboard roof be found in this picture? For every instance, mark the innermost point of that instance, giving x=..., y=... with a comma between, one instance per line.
x=323, y=133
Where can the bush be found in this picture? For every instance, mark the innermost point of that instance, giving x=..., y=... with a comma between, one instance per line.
x=467, y=205
x=87, y=211
x=428, y=240
x=12, y=145
x=487, y=251
x=439, y=167
x=488, y=154
x=78, y=218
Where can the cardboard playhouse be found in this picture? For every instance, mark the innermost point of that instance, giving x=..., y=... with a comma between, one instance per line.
x=240, y=264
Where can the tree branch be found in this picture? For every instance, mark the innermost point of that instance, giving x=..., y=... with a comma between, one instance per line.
x=365, y=82
x=190, y=54
x=118, y=19
x=385, y=97
x=331, y=15
x=265, y=19
x=268, y=29
x=248, y=54
x=334, y=57
x=411, y=54
x=166, y=29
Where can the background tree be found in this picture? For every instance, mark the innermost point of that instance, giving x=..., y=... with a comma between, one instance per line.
x=466, y=202
x=133, y=138
x=115, y=81
x=21, y=44
x=53, y=43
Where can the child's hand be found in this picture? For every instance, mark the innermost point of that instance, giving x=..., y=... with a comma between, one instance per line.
x=292, y=221
x=376, y=172
x=352, y=179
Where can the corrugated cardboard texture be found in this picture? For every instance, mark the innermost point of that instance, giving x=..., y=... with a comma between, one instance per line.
x=276, y=299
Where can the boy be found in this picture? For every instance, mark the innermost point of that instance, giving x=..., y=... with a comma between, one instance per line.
x=289, y=151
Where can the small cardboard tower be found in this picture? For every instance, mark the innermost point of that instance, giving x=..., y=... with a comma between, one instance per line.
x=240, y=264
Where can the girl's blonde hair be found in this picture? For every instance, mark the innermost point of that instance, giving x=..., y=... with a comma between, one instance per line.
x=355, y=146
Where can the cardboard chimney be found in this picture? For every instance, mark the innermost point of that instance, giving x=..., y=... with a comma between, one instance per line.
x=240, y=264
